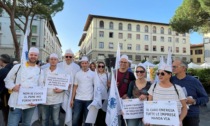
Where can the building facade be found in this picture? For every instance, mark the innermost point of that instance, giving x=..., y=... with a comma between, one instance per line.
x=140, y=40
x=44, y=37
x=197, y=53
x=206, y=42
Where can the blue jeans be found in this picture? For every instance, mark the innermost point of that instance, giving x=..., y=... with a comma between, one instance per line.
x=135, y=122
x=79, y=109
x=50, y=110
x=15, y=115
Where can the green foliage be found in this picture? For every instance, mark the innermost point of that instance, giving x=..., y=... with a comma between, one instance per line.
x=192, y=15
x=156, y=62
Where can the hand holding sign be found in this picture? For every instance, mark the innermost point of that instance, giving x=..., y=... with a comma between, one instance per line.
x=56, y=90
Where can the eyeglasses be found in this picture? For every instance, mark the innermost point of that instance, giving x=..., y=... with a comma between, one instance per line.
x=141, y=71
x=161, y=73
x=100, y=66
x=175, y=67
x=68, y=56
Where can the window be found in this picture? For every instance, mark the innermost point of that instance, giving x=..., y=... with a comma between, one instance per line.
x=154, y=38
x=154, y=48
x=169, y=39
x=162, y=39
x=146, y=29
x=130, y=57
x=101, y=33
x=129, y=27
x=129, y=47
x=138, y=28
x=183, y=40
x=138, y=36
x=154, y=29
x=33, y=41
x=162, y=48
x=154, y=58
x=146, y=38
x=177, y=49
x=184, y=50
x=111, y=25
x=169, y=31
x=199, y=51
x=111, y=34
x=111, y=45
x=137, y=47
x=129, y=36
x=120, y=26
x=177, y=34
x=177, y=40
x=19, y=39
x=184, y=35
x=101, y=24
x=17, y=29
x=0, y=26
x=161, y=30
x=191, y=60
x=121, y=46
x=111, y=55
x=191, y=52
x=0, y=39
x=101, y=45
x=146, y=47
x=34, y=29
x=138, y=58
x=198, y=60
x=120, y=35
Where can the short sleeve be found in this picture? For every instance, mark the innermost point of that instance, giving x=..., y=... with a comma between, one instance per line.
x=76, y=79
x=181, y=93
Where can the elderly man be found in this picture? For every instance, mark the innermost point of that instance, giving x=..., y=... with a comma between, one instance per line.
x=196, y=94
x=33, y=76
x=82, y=94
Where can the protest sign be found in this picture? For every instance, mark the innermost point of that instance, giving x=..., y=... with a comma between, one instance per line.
x=161, y=113
x=133, y=108
x=35, y=95
x=60, y=81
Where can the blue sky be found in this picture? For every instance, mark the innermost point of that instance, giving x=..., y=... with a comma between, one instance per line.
x=70, y=22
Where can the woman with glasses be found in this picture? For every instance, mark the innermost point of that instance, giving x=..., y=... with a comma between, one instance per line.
x=167, y=91
x=104, y=81
x=138, y=89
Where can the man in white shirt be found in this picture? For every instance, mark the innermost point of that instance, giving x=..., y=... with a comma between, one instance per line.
x=54, y=96
x=82, y=94
x=29, y=75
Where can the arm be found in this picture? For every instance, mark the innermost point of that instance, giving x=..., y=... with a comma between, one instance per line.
x=183, y=110
x=150, y=98
x=10, y=78
x=73, y=95
x=202, y=97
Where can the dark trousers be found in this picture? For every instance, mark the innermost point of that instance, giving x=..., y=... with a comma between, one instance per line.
x=100, y=120
x=5, y=107
x=191, y=121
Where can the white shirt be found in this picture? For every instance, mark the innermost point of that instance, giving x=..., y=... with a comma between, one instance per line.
x=85, y=82
x=103, y=85
x=53, y=97
x=167, y=94
x=33, y=76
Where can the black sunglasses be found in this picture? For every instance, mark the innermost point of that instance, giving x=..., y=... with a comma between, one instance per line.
x=161, y=73
x=141, y=71
x=100, y=66
x=68, y=56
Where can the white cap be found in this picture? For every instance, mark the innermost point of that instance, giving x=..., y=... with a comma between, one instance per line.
x=165, y=67
x=84, y=58
x=34, y=50
x=54, y=55
x=124, y=57
x=142, y=65
x=69, y=51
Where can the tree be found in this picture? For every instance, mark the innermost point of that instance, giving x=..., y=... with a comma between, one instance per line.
x=24, y=11
x=192, y=15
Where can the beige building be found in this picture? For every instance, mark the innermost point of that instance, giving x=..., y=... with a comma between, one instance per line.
x=140, y=40
x=197, y=53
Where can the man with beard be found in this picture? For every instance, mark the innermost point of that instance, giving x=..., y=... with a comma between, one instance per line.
x=33, y=76
x=71, y=68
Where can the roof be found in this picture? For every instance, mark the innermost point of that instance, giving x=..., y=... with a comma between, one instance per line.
x=90, y=18
x=52, y=25
x=196, y=45
x=82, y=39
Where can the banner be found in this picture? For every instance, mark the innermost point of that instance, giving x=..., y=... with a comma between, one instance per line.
x=60, y=81
x=34, y=95
x=133, y=108
x=161, y=113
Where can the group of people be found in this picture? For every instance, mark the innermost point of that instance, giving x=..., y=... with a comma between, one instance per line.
x=186, y=90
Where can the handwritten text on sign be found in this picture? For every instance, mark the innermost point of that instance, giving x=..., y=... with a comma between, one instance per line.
x=133, y=108
x=35, y=95
x=161, y=112
x=60, y=81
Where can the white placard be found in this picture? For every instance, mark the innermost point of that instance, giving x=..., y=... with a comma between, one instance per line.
x=161, y=113
x=34, y=95
x=133, y=108
x=60, y=81
x=92, y=115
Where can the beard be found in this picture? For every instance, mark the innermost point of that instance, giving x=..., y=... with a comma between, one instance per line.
x=32, y=61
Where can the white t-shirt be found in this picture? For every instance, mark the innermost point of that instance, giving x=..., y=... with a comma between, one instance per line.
x=167, y=94
x=103, y=85
x=85, y=82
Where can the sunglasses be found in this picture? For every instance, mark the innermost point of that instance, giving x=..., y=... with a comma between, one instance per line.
x=161, y=73
x=100, y=66
x=141, y=71
x=68, y=56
